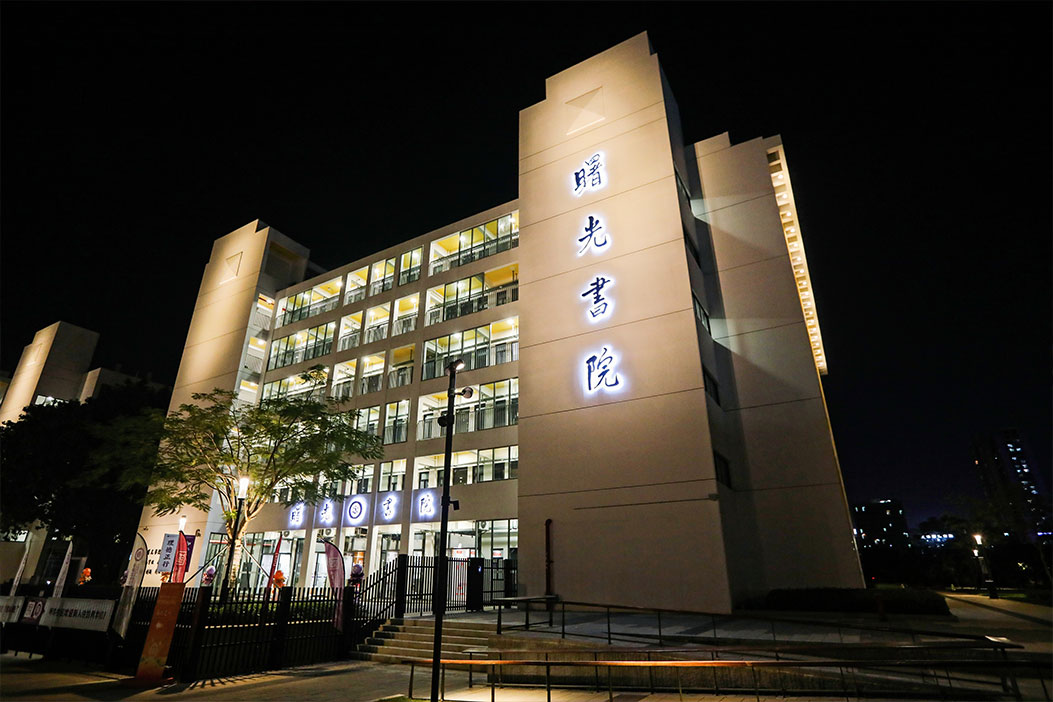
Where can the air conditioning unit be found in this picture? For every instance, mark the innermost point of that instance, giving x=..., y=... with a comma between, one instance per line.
x=328, y=532
x=285, y=534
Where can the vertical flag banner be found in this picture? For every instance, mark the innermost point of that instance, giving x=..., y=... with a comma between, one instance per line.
x=60, y=582
x=179, y=565
x=132, y=581
x=168, y=552
x=334, y=562
x=21, y=567
x=274, y=560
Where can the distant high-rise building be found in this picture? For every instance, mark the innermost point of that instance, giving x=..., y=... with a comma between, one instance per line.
x=880, y=524
x=1012, y=483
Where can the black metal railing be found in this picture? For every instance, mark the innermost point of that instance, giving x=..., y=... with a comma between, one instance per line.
x=474, y=253
x=484, y=300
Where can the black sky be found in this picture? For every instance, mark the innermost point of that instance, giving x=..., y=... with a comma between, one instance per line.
x=918, y=135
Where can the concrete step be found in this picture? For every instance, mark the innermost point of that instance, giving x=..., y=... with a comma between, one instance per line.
x=430, y=636
x=447, y=624
x=422, y=645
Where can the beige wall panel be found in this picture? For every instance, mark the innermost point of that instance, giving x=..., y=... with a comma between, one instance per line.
x=632, y=159
x=247, y=242
x=759, y=296
x=746, y=233
x=659, y=439
x=651, y=283
x=654, y=357
x=773, y=365
x=493, y=500
x=735, y=175
x=637, y=220
x=788, y=444
x=808, y=515
x=222, y=315
x=628, y=76
x=217, y=356
x=658, y=555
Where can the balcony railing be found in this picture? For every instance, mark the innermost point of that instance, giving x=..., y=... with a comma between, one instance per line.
x=290, y=316
x=400, y=376
x=253, y=363
x=379, y=286
x=355, y=294
x=376, y=332
x=477, y=472
x=479, y=251
x=494, y=297
x=343, y=390
x=409, y=276
x=396, y=433
x=370, y=383
x=260, y=319
x=472, y=418
x=349, y=340
x=481, y=357
x=404, y=325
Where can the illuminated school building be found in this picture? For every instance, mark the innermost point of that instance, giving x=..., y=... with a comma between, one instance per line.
x=638, y=329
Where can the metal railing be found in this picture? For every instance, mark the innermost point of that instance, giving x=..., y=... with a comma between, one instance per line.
x=382, y=285
x=398, y=377
x=475, y=253
x=471, y=420
x=492, y=354
x=370, y=383
x=913, y=677
x=377, y=332
x=409, y=276
x=290, y=316
x=355, y=294
x=349, y=340
x=492, y=297
x=404, y=325
x=396, y=433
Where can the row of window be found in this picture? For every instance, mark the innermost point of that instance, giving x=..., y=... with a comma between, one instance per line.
x=491, y=405
x=487, y=345
x=457, y=249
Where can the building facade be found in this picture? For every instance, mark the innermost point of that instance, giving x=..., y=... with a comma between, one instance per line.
x=54, y=367
x=1013, y=484
x=880, y=525
x=639, y=332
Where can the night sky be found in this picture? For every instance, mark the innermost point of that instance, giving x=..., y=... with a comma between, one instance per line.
x=918, y=137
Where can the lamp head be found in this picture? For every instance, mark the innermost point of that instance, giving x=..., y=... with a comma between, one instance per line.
x=979, y=539
x=243, y=487
x=182, y=523
x=456, y=365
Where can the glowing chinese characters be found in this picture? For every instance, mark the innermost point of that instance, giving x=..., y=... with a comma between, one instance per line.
x=591, y=175
x=389, y=507
x=595, y=237
x=600, y=306
x=600, y=372
x=296, y=515
x=327, y=512
x=426, y=505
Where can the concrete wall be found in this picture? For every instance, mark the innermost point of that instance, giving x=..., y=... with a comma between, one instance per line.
x=787, y=508
x=624, y=474
x=53, y=364
x=234, y=277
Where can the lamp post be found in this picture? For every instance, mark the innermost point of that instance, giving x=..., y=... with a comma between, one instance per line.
x=439, y=588
x=243, y=489
x=985, y=570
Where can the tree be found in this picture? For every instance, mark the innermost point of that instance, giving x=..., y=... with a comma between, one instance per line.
x=61, y=470
x=295, y=442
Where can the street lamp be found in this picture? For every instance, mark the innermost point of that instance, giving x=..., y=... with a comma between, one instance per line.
x=439, y=588
x=243, y=490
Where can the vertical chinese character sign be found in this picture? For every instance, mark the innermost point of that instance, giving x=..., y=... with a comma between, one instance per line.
x=600, y=372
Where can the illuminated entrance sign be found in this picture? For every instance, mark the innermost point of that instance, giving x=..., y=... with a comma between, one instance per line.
x=296, y=515
x=600, y=372
x=591, y=176
x=600, y=306
x=357, y=510
x=326, y=514
x=389, y=507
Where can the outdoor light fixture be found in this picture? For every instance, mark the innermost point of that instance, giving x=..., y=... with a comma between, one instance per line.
x=243, y=488
x=439, y=585
x=182, y=523
x=979, y=539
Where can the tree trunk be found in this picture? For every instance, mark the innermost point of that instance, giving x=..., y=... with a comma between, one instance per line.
x=239, y=544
